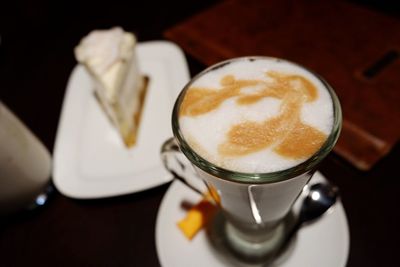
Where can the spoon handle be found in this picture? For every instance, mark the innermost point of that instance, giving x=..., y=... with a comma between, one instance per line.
x=288, y=238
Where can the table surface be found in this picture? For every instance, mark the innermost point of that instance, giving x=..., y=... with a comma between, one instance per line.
x=36, y=58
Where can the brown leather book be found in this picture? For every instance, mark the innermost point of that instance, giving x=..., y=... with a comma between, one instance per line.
x=355, y=49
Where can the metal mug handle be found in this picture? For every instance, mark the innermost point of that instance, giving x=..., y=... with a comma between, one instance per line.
x=177, y=165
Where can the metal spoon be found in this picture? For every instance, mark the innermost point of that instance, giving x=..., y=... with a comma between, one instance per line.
x=319, y=199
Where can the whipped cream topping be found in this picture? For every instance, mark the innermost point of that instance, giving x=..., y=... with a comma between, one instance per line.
x=101, y=49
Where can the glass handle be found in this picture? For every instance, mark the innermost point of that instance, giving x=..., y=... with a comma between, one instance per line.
x=176, y=164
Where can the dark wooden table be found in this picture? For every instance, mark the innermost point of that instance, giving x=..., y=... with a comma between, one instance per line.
x=36, y=58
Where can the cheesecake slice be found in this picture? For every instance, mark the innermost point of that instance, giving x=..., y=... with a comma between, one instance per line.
x=110, y=58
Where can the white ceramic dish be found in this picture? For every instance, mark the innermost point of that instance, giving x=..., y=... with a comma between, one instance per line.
x=323, y=243
x=90, y=160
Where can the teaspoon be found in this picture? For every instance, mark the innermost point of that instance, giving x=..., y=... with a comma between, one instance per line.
x=319, y=199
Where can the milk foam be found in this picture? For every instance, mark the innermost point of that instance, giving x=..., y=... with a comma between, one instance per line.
x=207, y=131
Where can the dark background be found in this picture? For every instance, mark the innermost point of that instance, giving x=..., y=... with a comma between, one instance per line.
x=36, y=58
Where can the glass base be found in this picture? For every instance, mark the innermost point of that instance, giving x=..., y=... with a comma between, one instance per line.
x=254, y=250
x=240, y=252
x=25, y=209
x=42, y=199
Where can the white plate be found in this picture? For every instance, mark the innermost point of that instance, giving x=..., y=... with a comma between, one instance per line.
x=323, y=243
x=90, y=159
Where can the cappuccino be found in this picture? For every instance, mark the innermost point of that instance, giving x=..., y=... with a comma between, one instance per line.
x=256, y=115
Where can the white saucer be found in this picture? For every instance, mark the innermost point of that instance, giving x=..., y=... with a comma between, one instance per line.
x=90, y=160
x=323, y=243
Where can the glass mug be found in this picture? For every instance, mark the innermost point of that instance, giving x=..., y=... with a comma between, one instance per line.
x=254, y=205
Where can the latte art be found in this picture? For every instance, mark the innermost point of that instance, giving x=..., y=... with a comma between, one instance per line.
x=256, y=116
